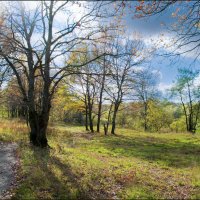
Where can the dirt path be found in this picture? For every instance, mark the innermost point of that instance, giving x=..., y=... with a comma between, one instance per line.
x=8, y=161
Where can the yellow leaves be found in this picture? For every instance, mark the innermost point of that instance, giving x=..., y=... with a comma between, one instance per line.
x=64, y=102
x=76, y=58
x=74, y=105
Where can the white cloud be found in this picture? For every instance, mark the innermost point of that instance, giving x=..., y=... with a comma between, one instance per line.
x=77, y=10
x=74, y=10
x=31, y=5
x=166, y=42
x=139, y=68
x=163, y=87
x=197, y=81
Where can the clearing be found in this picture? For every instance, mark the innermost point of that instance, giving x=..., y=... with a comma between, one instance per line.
x=130, y=165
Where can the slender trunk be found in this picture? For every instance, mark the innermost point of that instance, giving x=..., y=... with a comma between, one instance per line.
x=91, y=120
x=191, y=124
x=105, y=129
x=114, y=119
x=90, y=114
x=185, y=112
x=145, y=117
x=100, y=97
x=113, y=123
x=99, y=115
x=86, y=113
x=90, y=106
x=86, y=119
x=106, y=126
x=196, y=117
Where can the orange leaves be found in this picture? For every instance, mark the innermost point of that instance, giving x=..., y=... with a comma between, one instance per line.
x=139, y=8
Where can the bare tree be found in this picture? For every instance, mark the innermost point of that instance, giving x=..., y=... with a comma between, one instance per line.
x=89, y=83
x=122, y=67
x=188, y=91
x=4, y=69
x=37, y=42
x=103, y=68
x=144, y=89
x=85, y=87
x=101, y=81
x=77, y=88
x=4, y=74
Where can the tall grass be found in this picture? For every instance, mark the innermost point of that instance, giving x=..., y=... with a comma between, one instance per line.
x=13, y=130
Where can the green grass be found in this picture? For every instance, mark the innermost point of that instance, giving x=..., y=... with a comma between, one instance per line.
x=131, y=165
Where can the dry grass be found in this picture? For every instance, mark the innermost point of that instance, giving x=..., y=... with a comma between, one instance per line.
x=131, y=165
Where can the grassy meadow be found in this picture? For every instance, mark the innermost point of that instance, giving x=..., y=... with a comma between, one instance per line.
x=130, y=165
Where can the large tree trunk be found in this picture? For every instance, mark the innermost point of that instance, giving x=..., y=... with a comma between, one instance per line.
x=38, y=126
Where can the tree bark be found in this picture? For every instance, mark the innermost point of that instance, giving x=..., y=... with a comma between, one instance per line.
x=38, y=125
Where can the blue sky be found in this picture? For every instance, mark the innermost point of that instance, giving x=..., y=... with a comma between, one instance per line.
x=151, y=28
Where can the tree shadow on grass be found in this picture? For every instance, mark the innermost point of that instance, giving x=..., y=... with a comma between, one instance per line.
x=52, y=179
x=172, y=153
